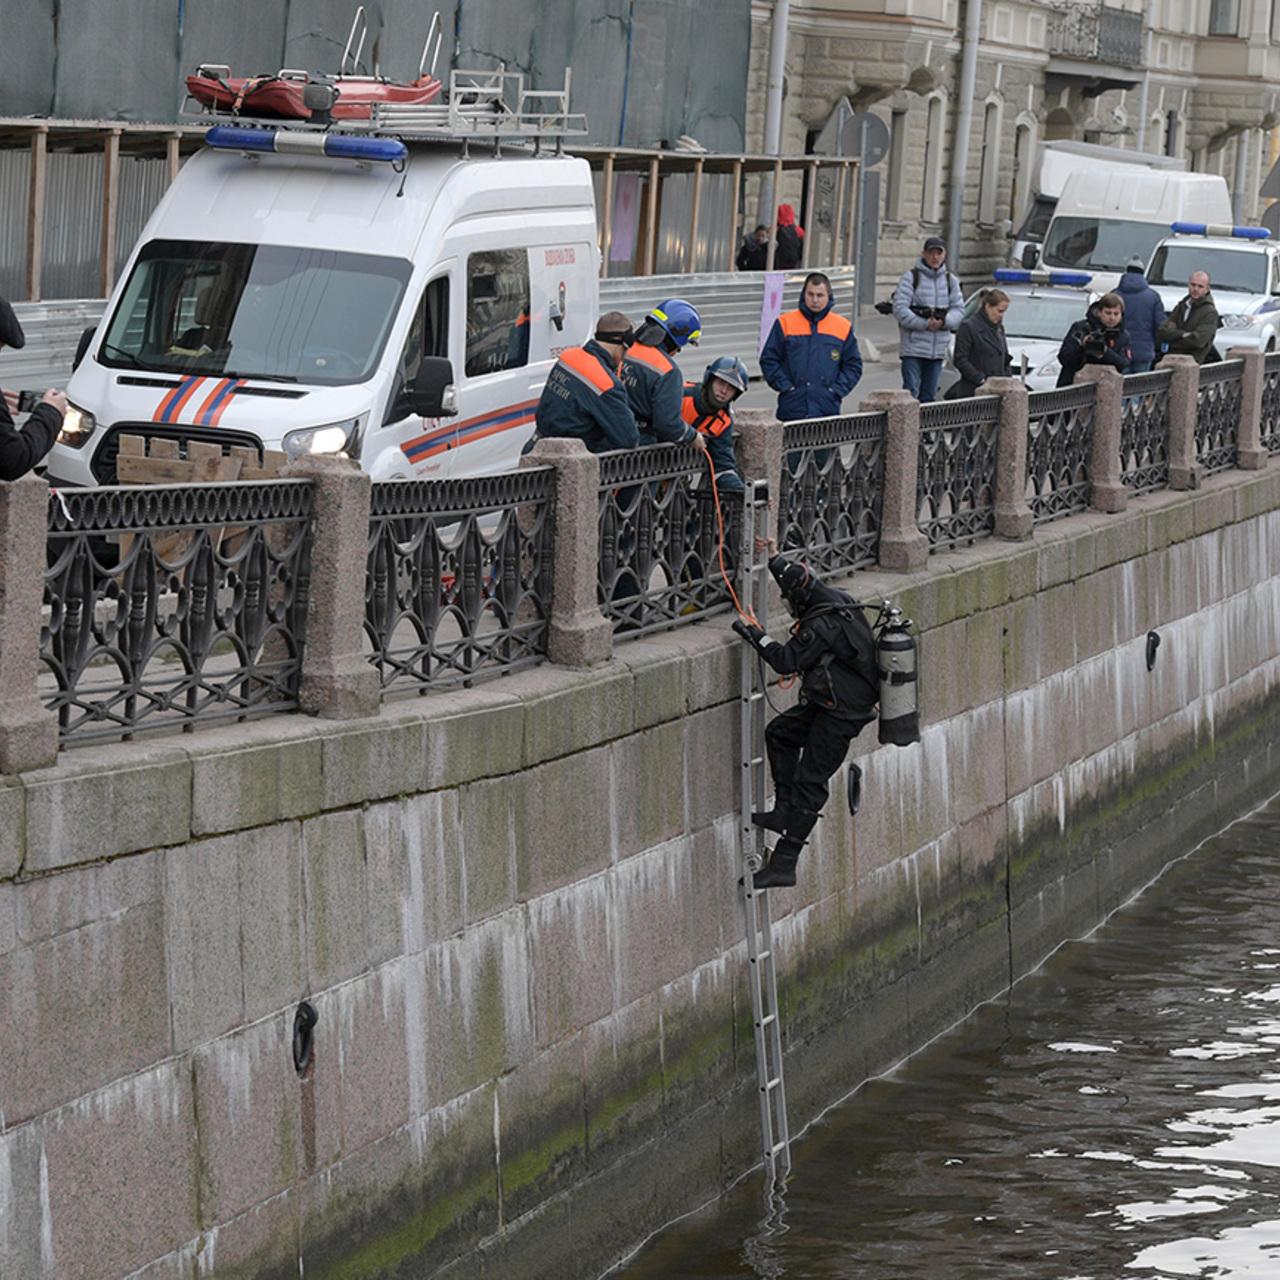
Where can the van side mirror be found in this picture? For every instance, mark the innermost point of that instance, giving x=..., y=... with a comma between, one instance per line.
x=1030, y=256
x=82, y=346
x=433, y=394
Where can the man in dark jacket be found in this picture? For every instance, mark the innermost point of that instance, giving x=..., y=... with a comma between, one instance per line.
x=1100, y=338
x=1143, y=316
x=788, y=252
x=834, y=651
x=20, y=450
x=811, y=358
x=753, y=253
x=584, y=398
x=1192, y=325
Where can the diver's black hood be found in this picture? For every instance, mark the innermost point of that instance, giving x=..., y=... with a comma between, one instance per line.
x=802, y=588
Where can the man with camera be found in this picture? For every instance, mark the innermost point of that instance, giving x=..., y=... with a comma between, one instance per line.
x=20, y=450
x=927, y=305
x=1100, y=338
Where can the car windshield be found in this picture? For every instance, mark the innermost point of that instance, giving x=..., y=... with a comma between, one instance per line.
x=1230, y=270
x=285, y=313
x=1100, y=244
x=1046, y=318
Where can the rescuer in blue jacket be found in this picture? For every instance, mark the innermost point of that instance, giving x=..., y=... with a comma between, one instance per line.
x=651, y=377
x=811, y=358
x=584, y=398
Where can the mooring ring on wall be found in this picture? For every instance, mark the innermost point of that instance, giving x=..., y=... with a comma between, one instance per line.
x=304, y=1022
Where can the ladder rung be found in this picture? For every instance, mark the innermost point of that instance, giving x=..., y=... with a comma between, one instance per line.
x=768, y=1020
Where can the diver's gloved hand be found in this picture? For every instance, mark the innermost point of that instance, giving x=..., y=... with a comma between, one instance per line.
x=749, y=632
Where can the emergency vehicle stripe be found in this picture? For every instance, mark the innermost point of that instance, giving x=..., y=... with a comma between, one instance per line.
x=442, y=439
x=173, y=403
x=215, y=405
x=795, y=325
x=586, y=368
x=651, y=356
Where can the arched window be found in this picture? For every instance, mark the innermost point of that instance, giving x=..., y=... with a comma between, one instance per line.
x=931, y=178
x=989, y=170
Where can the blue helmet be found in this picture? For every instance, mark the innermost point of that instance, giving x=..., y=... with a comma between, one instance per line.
x=728, y=369
x=679, y=320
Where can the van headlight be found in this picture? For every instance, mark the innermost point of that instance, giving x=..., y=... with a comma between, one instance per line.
x=333, y=437
x=1240, y=321
x=77, y=426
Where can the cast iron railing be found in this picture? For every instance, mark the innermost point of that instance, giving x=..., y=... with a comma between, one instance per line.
x=1059, y=452
x=1271, y=403
x=459, y=578
x=1218, y=415
x=832, y=495
x=1144, y=431
x=956, y=477
x=666, y=546
x=172, y=606
x=1099, y=33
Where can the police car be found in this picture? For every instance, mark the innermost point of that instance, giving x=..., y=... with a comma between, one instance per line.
x=1244, y=278
x=1043, y=305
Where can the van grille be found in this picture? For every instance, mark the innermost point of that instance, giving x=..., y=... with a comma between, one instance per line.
x=104, y=461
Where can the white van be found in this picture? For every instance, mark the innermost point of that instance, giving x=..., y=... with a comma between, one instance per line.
x=1056, y=160
x=404, y=310
x=1103, y=220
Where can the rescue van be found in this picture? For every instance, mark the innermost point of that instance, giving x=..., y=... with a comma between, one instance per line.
x=379, y=293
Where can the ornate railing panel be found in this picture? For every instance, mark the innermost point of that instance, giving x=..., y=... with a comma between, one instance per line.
x=1218, y=415
x=459, y=577
x=1059, y=451
x=666, y=545
x=956, y=478
x=1097, y=32
x=1144, y=431
x=1271, y=403
x=172, y=606
x=832, y=494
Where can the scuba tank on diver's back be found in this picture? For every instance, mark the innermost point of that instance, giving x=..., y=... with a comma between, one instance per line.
x=899, y=677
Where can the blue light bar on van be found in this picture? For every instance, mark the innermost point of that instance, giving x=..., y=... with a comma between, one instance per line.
x=1219, y=229
x=289, y=142
x=1019, y=275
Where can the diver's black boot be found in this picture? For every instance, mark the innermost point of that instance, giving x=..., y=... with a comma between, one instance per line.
x=774, y=819
x=781, y=869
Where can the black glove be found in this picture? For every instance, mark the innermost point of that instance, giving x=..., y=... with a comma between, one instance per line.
x=749, y=632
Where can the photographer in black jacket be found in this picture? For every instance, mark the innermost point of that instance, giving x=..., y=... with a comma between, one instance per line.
x=21, y=450
x=1100, y=338
x=834, y=651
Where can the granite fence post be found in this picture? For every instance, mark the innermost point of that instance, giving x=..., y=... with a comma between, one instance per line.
x=1184, y=470
x=903, y=548
x=338, y=681
x=1014, y=519
x=28, y=732
x=579, y=633
x=1250, y=453
x=760, y=451
x=1108, y=491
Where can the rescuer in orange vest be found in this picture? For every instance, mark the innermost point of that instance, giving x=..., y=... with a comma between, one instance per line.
x=811, y=358
x=651, y=377
x=707, y=408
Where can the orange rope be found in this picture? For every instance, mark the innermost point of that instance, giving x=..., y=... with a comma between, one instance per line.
x=724, y=573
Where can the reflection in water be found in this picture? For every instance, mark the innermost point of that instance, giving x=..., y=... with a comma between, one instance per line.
x=1116, y=1115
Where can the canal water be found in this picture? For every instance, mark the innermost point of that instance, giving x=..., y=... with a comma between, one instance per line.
x=1117, y=1114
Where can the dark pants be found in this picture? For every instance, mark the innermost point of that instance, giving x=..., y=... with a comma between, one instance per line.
x=806, y=745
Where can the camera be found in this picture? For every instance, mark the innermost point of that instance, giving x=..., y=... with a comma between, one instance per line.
x=930, y=313
x=27, y=400
x=1095, y=344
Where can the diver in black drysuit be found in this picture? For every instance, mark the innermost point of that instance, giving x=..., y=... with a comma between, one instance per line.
x=833, y=649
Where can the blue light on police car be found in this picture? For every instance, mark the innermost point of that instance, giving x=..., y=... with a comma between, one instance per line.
x=1219, y=229
x=1020, y=275
x=336, y=146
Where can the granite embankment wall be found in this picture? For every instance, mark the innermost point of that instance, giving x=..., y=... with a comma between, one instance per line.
x=514, y=911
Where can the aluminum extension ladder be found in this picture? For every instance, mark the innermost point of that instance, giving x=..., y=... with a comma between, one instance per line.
x=755, y=902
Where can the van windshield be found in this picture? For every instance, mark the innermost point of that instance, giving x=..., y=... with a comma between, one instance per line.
x=1230, y=270
x=1100, y=244
x=284, y=313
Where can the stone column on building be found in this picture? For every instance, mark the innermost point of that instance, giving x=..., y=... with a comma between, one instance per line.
x=1184, y=394
x=338, y=682
x=1107, y=489
x=1251, y=455
x=1014, y=519
x=28, y=732
x=903, y=548
x=579, y=633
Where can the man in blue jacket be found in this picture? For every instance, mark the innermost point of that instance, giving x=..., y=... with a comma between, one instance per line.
x=1143, y=316
x=811, y=358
